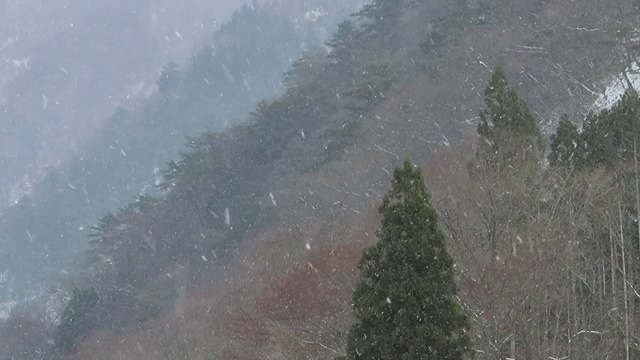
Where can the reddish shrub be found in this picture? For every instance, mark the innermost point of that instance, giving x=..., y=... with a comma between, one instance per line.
x=313, y=287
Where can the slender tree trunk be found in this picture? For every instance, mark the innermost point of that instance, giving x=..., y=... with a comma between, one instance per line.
x=513, y=345
x=624, y=285
x=569, y=345
x=556, y=332
x=635, y=168
x=613, y=263
x=603, y=290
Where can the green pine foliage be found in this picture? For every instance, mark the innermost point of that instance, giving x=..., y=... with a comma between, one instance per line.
x=508, y=129
x=405, y=303
x=381, y=17
x=369, y=75
x=343, y=42
x=567, y=145
x=608, y=136
x=598, y=149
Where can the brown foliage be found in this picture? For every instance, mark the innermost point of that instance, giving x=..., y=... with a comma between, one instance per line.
x=194, y=329
x=308, y=310
x=24, y=332
x=313, y=287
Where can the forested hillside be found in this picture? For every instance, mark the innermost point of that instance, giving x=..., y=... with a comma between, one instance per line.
x=244, y=62
x=250, y=250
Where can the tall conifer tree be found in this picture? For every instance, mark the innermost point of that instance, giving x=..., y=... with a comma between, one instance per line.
x=405, y=302
x=382, y=17
x=508, y=129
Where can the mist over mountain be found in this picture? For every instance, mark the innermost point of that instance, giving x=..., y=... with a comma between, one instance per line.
x=65, y=65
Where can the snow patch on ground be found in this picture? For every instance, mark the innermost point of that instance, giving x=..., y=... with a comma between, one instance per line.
x=616, y=86
x=5, y=309
x=54, y=302
x=315, y=14
x=20, y=189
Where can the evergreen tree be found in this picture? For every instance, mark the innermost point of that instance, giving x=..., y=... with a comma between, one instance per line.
x=74, y=323
x=508, y=129
x=381, y=18
x=567, y=146
x=609, y=135
x=507, y=166
x=381, y=11
x=596, y=129
x=405, y=303
x=343, y=42
x=366, y=76
x=169, y=78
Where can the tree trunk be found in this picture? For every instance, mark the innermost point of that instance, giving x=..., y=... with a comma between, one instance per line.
x=624, y=285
